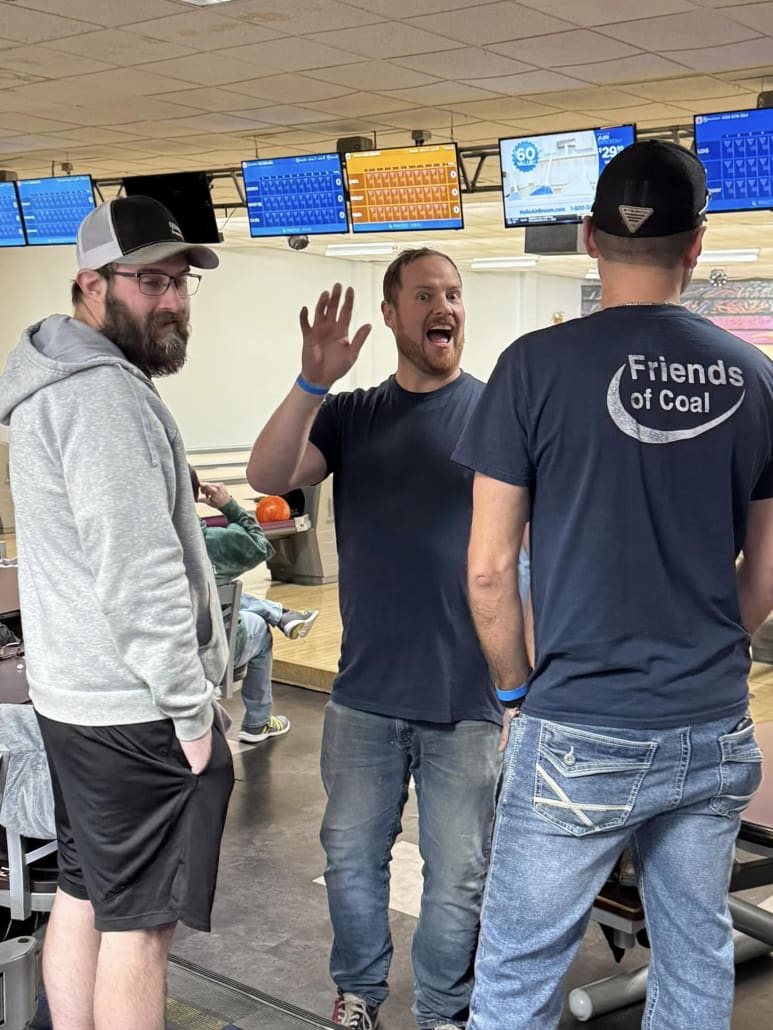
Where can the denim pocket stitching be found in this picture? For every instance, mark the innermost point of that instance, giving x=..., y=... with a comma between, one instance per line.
x=609, y=766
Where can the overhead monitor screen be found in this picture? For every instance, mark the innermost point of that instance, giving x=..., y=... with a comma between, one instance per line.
x=405, y=188
x=52, y=209
x=292, y=196
x=11, y=228
x=552, y=178
x=736, y=148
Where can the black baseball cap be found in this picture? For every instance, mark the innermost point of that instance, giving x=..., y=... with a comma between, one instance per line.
x=135, y=230
x=652, y=188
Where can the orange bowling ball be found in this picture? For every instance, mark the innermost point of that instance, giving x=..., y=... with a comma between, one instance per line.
x=272, y=509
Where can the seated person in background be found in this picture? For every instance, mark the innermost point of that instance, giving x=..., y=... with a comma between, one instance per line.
x=233, y=550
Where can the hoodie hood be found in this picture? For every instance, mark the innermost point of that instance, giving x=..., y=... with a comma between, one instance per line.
x=50, y=351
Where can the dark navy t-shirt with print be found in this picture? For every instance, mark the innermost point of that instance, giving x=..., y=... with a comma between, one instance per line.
x=643, y=433
x=402, y=513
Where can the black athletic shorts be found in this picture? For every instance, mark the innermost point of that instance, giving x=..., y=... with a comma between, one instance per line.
x=138, y=832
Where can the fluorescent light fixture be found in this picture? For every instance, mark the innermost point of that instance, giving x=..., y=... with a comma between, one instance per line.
x=592, y=273
x=730, y=256
x=522, y=261
x=359, y=249
x=205, y=3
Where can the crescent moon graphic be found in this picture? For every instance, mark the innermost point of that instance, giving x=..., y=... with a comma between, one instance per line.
x=627, y=424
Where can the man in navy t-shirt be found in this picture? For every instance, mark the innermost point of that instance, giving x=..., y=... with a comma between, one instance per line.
x=412, y=697
x=640, y=440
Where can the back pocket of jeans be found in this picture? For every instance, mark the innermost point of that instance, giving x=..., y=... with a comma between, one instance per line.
x=740, y=771
x=587, y=782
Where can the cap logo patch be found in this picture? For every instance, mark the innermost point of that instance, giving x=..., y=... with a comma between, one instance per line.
x=175, y=230
x=634, y=217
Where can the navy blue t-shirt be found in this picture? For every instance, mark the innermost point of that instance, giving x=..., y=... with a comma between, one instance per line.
x=643, y=433
x=402, y=513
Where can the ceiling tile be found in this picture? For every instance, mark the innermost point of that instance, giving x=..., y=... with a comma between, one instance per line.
x=465, y=63
x=690, y=87
x=443, y=93
x=221, y=122
x=98, y=12
x=99, y=134
x=203, y=69
x=292, y=89
x=32, y=141
x=374, y=75
x=664, y=113
x=600, y=12
x=505, y=107
x=568, y=122
x=123, y=82
x=726, y=58
x=117, y=46
x=47, y=63
x=172, y=128
x=11, y=80
x=355, y=105
x=535, y=81
x=31, y=123
x=389, y=39
x=25, y=26
x=756, y=16
x=441, y=122
x=288, y=55
x=680, y=32
x=289, y=114
x=645, y=66
x=209, y=98
x=590, y=99
x=408, y=8
x=562, y=48
x=119, y=112
x=492, y=23
x=286, y=16
x=204, y=30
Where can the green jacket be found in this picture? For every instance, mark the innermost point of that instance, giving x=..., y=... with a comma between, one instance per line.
x=235, y=549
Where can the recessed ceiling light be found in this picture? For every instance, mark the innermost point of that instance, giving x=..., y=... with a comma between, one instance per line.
x=481, y=264
x=739, y=254
x=359, y=249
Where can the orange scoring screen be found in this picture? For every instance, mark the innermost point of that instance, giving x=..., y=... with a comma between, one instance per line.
x=405, y=188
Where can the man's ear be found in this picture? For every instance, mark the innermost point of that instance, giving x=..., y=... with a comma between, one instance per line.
x=587, y=238
x=388, y=311
x=92, y=284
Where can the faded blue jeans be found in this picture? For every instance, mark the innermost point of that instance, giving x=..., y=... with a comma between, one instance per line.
x=572, y=797
x=257, y=651
x=367, y=761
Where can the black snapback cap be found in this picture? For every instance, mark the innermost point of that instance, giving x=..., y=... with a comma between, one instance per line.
x=652, y=188
x=135, y=231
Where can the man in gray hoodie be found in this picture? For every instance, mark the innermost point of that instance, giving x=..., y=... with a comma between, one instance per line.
x=124, y=638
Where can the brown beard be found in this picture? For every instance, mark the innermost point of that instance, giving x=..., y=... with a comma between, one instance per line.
x=157, y=344
x=413, y=352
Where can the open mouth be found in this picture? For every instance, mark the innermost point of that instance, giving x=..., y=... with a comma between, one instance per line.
x=439, y=335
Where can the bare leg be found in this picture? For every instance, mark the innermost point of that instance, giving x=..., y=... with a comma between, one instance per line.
x=131, y=979
x=70, y=963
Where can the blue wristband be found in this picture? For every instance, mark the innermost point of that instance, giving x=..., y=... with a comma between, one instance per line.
x=318, y=391
x=516, y=694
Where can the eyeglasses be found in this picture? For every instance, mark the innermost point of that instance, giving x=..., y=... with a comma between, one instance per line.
x=155, y=284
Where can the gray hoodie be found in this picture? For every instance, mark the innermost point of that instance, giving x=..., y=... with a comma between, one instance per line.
x=121, y=616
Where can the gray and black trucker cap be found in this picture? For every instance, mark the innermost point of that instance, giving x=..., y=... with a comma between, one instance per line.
x=652, y=188
x=135, y=231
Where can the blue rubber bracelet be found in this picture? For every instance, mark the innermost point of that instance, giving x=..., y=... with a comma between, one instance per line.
x=318, y=391
x=512, y=695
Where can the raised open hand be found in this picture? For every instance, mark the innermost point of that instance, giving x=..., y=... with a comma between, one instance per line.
x=328, y=353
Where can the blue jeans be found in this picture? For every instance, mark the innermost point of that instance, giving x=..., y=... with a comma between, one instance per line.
x=571, y=799
x=271, y=611
x=367, y=761
x=257, y=651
